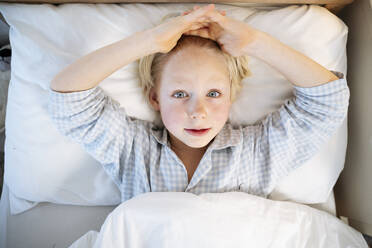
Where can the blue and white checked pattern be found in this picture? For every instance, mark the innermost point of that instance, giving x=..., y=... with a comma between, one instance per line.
x=138, y=157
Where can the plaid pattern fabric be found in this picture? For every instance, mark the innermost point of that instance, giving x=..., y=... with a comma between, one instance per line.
x=137, y=154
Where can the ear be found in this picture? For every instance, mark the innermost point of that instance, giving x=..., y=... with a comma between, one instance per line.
x=153, y=97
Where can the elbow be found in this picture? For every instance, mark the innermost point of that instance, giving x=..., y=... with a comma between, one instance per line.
x=55, y=84
x=59, y=85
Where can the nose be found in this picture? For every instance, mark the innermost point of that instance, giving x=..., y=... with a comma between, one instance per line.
x=197, y=109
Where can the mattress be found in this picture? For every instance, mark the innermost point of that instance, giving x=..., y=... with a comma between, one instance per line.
x=48, y=224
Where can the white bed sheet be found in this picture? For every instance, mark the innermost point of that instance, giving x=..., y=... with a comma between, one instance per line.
x=218, y=220
x=56, y=226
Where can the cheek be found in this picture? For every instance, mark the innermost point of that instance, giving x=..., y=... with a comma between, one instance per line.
x=220, y=111
x=172, y=114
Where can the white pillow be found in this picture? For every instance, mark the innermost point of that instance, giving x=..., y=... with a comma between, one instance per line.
x=43, y=165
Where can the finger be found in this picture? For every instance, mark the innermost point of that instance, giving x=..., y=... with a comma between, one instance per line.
x=199, y=11
x=196, y=7
x=188, y=11
x=202, y=32
x=196, y=26
x=209, y=14
x=222, y=12
x=215, y=16
x=198, y=15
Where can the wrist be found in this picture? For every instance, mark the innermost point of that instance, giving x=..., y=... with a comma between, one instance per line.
x=257, y=43
x=146, y=41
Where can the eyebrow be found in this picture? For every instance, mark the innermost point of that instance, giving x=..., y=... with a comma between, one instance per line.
x=217, y=86
x=212, y=88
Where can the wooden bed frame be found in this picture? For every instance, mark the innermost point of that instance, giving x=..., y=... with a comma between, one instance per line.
x=333, y=6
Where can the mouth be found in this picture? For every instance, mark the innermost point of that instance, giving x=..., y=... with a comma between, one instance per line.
x=197, y=132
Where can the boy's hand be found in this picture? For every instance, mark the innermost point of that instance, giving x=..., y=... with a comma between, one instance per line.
x=166, y=35
x=234, y=37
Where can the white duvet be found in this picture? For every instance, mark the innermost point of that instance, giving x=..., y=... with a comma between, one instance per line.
x=233, y=219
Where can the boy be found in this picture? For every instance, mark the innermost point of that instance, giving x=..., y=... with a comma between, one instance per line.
x=197, y=150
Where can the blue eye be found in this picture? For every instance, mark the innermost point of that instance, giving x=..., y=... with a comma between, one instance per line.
x=214, y=94
x=179, y=94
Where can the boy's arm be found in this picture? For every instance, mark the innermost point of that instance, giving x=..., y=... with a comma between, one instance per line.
x=299, y=69
x=98, y=123
x=89, y=70
x=290, y=136
x=85, y=114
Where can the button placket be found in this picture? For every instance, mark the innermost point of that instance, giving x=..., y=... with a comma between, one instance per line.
x=179, y=163
x=203, y=168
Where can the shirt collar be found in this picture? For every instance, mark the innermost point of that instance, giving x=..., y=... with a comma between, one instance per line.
x=161, y=135
x=228, y=136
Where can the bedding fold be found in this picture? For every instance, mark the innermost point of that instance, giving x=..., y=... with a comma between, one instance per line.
x=234, y=219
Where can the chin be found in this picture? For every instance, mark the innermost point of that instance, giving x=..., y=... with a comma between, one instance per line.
x=198, y=145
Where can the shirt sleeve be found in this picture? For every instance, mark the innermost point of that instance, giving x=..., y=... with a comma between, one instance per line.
x=96, y=121
x=290, y=136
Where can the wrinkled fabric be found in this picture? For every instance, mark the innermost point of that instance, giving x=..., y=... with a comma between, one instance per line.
x=233, y=219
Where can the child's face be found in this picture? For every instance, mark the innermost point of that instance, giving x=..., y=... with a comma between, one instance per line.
x=194, y=93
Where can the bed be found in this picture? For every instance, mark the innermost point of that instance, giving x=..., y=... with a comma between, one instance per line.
x=56, y=195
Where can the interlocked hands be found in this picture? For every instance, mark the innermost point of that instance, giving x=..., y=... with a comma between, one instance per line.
x=233, y=36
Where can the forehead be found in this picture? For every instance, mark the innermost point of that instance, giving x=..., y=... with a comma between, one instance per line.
x=196, y=65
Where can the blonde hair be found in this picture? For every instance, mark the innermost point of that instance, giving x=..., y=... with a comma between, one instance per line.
x=151, y=66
